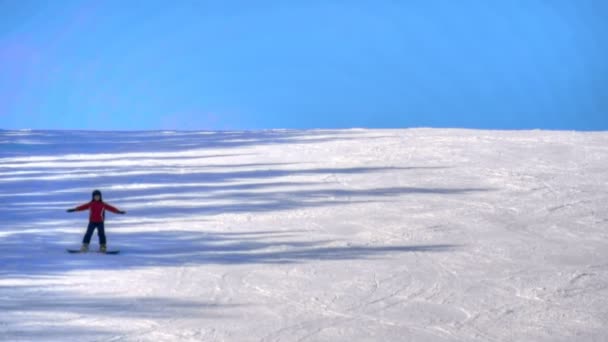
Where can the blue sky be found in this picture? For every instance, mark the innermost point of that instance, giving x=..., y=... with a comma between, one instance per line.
x=137, y=65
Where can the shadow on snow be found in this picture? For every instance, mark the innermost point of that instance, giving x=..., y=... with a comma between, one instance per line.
x=33, y=205
x=46, y=254
x=36, y=230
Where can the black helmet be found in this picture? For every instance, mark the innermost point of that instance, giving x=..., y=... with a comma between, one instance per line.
x=96, y=192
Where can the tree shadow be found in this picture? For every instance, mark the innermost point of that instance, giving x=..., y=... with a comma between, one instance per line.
x=33, y=207
x=48, y=143
x=40, y=177
x=140, y=307
x=46, y=332
x=34, y=194
x=46, y=256
x=201, y=192
x=66, y=316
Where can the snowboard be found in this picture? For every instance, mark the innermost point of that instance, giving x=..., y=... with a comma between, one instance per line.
x=77, y=251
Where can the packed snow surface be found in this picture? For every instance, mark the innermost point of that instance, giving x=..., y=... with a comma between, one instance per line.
x=320, y=235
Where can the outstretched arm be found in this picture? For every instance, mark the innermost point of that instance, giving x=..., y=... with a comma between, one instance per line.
x=80, y=208
x=113, y=209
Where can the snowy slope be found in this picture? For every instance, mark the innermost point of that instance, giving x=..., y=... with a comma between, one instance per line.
x=347, y=235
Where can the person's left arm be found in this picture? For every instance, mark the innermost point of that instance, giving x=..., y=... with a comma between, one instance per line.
x=113, y=209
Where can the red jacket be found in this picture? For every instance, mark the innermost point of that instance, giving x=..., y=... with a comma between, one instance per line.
x=97, y=212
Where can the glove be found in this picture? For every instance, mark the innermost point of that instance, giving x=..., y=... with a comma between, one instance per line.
x=71, y=210
x=122, y=212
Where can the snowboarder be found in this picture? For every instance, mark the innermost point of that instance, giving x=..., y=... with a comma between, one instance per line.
x=97, y=208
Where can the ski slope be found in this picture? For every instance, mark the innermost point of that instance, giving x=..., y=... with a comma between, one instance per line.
x=320, y=235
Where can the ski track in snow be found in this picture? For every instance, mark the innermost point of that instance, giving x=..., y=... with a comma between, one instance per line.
x=318, y=235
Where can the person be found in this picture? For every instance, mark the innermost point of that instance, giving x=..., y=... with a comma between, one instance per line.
x=97, y=209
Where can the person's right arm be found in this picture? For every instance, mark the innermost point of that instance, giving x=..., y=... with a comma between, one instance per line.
x=80, y=208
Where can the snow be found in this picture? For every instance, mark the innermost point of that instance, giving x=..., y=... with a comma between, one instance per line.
x=317, y=235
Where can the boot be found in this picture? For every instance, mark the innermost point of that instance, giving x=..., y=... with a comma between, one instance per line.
x=103, y=248
x=84, y=248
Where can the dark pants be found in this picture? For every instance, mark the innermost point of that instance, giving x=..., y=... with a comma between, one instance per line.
x=100, y=231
